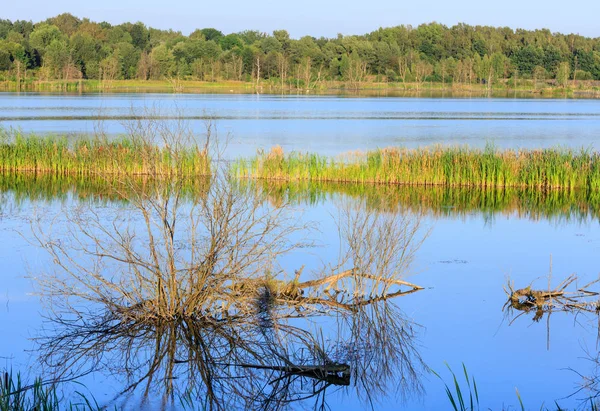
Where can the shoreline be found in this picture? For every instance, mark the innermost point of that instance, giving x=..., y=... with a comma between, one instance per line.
x=579, y=89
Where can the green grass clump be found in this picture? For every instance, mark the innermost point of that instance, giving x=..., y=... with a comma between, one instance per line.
x=16, y=395
x=458, y=399
x=95, y=156
x=434, y=166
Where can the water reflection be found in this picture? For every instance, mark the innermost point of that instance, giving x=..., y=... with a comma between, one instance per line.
x=251, y=362
x=535, y=204
x=186, y=299
x=556, y=205
x=582, y=301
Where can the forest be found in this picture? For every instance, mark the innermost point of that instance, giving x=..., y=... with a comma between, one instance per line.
x=69, y=48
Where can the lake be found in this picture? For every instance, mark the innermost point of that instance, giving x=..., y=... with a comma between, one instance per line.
x=474, y=243
x=328, y=125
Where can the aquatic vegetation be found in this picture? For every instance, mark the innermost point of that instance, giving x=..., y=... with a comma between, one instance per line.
x=434, y=166
x=17, y=395
x=458, y=399
x=97, y=156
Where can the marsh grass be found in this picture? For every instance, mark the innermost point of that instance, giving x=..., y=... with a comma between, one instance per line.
x=463, y=401
x=557, y=168
x=97, y=156
x=17, y=395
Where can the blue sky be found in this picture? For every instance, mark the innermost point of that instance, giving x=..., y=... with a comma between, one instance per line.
x=319, y=17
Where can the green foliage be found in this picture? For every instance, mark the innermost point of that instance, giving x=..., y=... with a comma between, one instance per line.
x=211, y=34
x=59, y=156
x=43, y=35
x=16, y=395
x=434, y=52
x=563, y=73
x=435, y=166
x=458, y=399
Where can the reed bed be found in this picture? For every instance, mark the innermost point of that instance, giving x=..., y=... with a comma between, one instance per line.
x=98, y=156
x=556, y=168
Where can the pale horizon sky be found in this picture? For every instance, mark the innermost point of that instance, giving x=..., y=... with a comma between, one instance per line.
x=318, y=17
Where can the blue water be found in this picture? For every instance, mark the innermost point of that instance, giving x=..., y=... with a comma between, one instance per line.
x=328, y=125
x=464, y=264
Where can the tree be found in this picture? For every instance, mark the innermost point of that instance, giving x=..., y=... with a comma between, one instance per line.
x=109, y=70
x=527, y=58
x=84, y=53
x=211, y=34
x=282, y=68
x=43, y=36
x=563, y=73
x=403, y=68
x=197, y=283
x=420, y=69
x=139, y=35
x=230, y=42
x=66, y=23
x=163, y=62
x=539, y=73
x=355, y=71
x=56, y=58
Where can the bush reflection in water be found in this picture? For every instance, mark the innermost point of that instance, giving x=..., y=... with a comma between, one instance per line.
x=185, y=298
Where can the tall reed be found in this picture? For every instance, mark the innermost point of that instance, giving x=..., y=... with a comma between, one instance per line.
x=445, y=166
x=96, y=156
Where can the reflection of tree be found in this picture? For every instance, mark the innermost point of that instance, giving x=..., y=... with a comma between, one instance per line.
x=566, y=297
x=186, y=295
x=265, y=360
x=558, y=299
x=569, y=297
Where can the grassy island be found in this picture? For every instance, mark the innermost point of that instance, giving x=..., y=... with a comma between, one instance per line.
x=555, y=168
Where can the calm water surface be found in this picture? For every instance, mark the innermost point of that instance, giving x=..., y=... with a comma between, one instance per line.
x=328, y=125
x=477, y=242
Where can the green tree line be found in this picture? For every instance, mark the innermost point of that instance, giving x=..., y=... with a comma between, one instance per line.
x=66, y=48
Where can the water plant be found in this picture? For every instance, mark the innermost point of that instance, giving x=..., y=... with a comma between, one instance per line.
x=458, y=398
x=17, y=395
x=130, y=154
x=555, y=168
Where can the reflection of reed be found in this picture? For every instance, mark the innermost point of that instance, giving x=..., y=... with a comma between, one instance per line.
x=456, y=201
x=24, y=187
x=451, y=201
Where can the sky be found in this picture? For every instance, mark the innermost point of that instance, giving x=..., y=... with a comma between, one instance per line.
x=318, y=17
